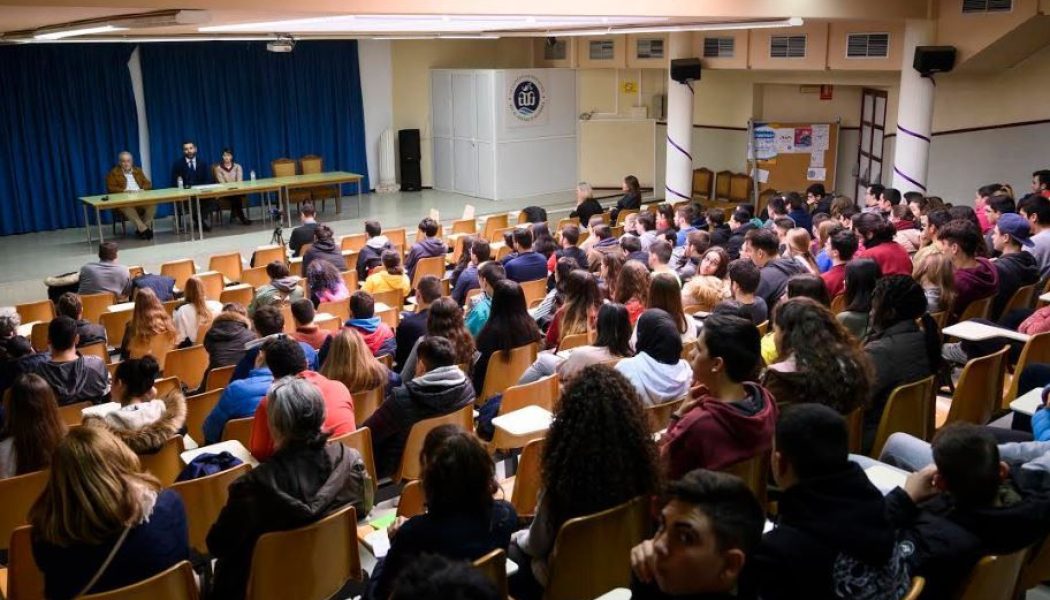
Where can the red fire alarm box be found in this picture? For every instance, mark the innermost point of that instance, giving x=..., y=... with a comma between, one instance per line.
x=826, y=91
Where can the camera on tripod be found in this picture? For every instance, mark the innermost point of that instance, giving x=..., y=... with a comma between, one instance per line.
x=276, y=213
x=277, y=239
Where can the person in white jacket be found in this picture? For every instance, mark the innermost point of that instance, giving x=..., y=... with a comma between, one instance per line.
x=196, y=312
x=657, y=371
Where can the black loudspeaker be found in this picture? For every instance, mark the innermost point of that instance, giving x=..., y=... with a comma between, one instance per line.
x=685, y=69
x=934, y=59
x=408, y=147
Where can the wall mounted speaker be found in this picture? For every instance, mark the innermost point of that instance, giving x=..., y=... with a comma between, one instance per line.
x=685, y=69
x=934, y=59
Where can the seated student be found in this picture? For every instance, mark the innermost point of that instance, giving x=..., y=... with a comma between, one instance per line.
x=427, y=245
x=371, y=255
x=470, y=279
x=242, y=396
x=762, y=248
x=744, y=278
x=390, y=278
x=833, y=538
x=686, y=260
x=709, y=528
x=876, y=233
x=646, y=229
x=572, y=482
x=931, y=222
x=555, y=298
x=586, y=205
x=143, y=421
x=444, y=319
x=509, y=326
x=888, y=198
x=611, y=341
x=798, y=245
x=858, y=284
x=632, y=249
x=478, y=311
x=378, y=336
x=228, y=335
x=324, y=248
x=69, y=305
x=908, y=235
x=819, y=360
x=32, y=427
x=149, y=322
x=733, y=418
x=542, y=241
x=665, y=294
x=1035, y=208
x=716, y=221
x=658, y=372
x=434, y=576
x=975, y=276
x=996, y=207
x=325, y=284
x=413, y=325
x=709, y=285
x=462, y=519
x=579, y=309
x=348, y=360
x=268, y=322
x=442, y=389
x=305, y=329
x=841, y=246
x=632, y=198
x=632, y=289
x=74, y=378
x=684, y=216
x=1016, y=268
x=305, y=480
x=98, y=502
x=106, y=275
x=665, y=220
x=195, y=312
x=818, y=200
x=660, y=260
x=899, y=351
x=528, y=265
x=303, y=234
x=283, y=287
x=604, y=242
x=798, y=211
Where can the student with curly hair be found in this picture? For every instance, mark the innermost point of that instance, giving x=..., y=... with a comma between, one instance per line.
x=325, y=283
x=444, y=319
x=577, y=314
x=597, y=455
x=819, y=360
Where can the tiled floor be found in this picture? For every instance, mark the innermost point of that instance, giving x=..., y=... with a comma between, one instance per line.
x=26, y=259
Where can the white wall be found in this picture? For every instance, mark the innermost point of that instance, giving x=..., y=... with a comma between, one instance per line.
x=135, y=69
x=377, y=96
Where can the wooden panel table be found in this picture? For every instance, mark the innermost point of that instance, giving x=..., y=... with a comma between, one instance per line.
x=103, y=202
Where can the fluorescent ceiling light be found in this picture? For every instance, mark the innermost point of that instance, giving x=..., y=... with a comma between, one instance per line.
x=73, y=31
x=433, y=24
x=792, y=22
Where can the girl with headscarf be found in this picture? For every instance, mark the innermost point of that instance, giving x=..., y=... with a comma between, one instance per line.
x=657, y=371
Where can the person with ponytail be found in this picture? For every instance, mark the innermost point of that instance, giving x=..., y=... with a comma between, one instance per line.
x=900, y=351
x=877, y=235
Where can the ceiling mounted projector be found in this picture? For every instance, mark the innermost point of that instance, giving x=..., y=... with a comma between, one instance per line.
x=282, y=44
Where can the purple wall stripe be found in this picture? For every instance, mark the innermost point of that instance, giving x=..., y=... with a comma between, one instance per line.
x=679, y=148
x=676, y=193
x=915, y=183
x=912, y=133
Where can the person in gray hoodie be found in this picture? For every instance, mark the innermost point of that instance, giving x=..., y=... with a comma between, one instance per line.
x=762, y=247
x=283, y=287
x=371, y=255
x=442, y=389
x=74, y=378
x=427, y=247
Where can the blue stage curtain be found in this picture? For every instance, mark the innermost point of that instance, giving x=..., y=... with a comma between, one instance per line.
x=66, y=110
x=262, y=104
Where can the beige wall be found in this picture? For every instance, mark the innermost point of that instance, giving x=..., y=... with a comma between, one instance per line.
x=787, y=102
x=971, y=33
x=816, y=47
x=838, y=32
x=411, y=61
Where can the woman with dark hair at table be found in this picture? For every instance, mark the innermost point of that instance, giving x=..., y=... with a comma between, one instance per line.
x=227, y=171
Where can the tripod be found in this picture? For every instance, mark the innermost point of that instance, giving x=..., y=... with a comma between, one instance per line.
x=278, y=235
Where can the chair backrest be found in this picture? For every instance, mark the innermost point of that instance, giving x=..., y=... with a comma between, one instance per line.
x=42, y=310
x=115, y=324
x=338, y=308
x=331, y=323
x=527, y=479
x=910, y=409
x=412, y=501
x=170, y=306
x=398, y=237
x=534, y=291
x=838, y=303
x=97, y=349
x=24, y=579
x=494, y=567
x=238, y=429
x=213, y=284
x=242, y=294
x=917, y=584
x=1035, y=570
x=574, y=341
x=494, y=223
x=566, y=221
x=409, y=467
x=755, y=473
x=165, y=464
x=166, y=385
x=204, y=498
x=324, y=553
x=978, y=309
x=390, y=315
x=218, y=377
x=1036, y=350
x=366, y=402
x=353, y=241
x=659, y=415
x=159, y=346
x=289, y=322
x=229, y=264
x=175, y=583
x=993, y=577
x=505, y=369
x=739, y=187
x=350, y=280
x=17, y=495
x=73, y=414
x=38, y=336
x=543, y=392
x=1022, y=298
x=179, y=270
x=96, y=304
x=979, y=389
x=432, y=265
x=254, y=277
x=591, y=554
x=311, y=164
x=197, y=410
x=265, y=255
x=502, y=252
x=702, y=178
x=465, y=226
x=188, y=364
x=722, y=180
x=360, y=440
x=392, y=298
x=282, y=167
x=621, y=218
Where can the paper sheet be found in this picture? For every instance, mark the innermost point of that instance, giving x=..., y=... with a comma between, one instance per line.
x=765, y=146
x=761, y=175
x=468, y=211
x=885, y=477
x=378, y=543
x=821, y=136
x=784, y=142
x=817, y=174
x=816, y=160
x=434, y=214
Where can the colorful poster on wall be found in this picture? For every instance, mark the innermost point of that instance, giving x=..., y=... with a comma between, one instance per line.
x=765, y=147
x=803, y=139
x=784, y=140
x=526, y=97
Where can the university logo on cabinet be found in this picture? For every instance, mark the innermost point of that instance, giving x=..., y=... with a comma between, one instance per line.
x=527, y=98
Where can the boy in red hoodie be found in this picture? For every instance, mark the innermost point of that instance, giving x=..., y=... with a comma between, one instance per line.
x=379, y=337
x=732, y=419
x=975, y=276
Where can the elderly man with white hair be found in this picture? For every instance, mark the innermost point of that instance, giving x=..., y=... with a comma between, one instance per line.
x=126, y=177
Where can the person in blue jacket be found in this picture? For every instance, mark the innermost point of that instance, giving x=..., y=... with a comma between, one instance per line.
x=268, y=322
x=528, y=265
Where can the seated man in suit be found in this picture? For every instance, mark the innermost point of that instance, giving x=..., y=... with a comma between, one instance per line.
x=193, y=171
x=126, y=177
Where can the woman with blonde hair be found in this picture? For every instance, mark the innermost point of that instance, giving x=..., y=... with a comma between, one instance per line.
x=350, y=361
x=196, y=312
x=32, y=427
x=632, y=289
x=936, y=275
x=798, y=243
x=149, y=319
x=101, y=522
